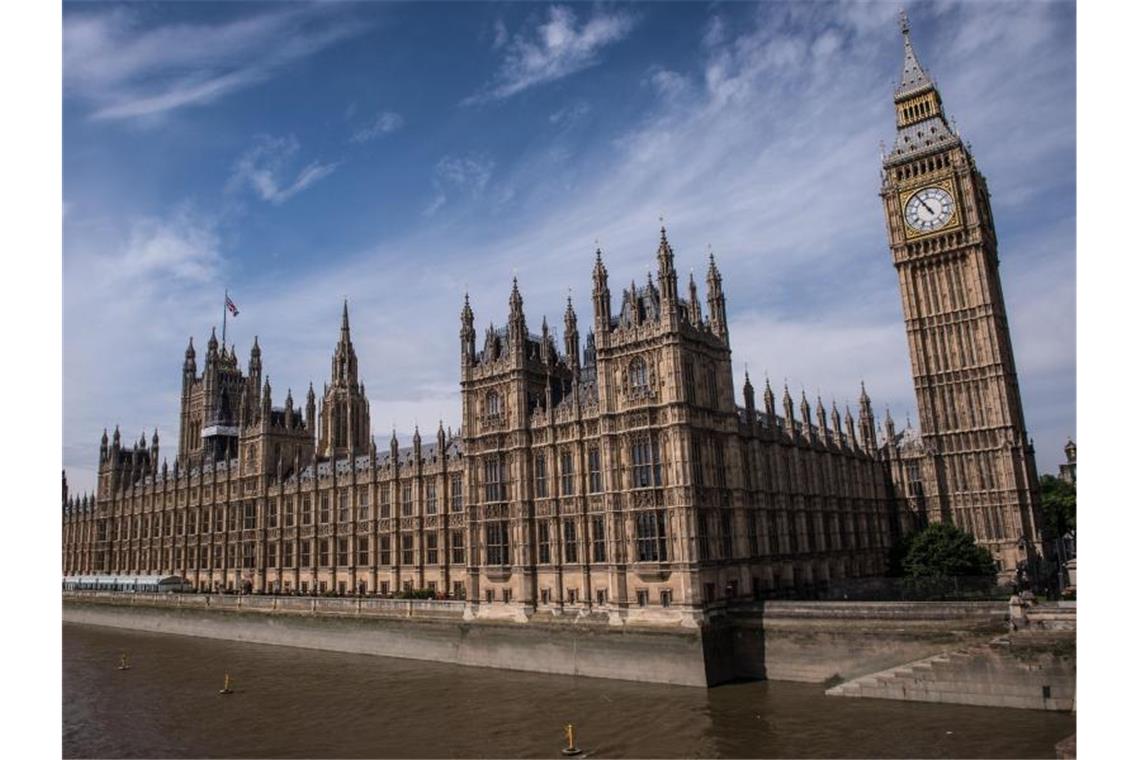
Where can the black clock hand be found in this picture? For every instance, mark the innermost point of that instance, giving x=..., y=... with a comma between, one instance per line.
x=928, y=208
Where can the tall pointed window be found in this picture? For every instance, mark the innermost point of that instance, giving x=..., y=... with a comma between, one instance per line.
x=638, y=376
x=651, y=544
x=646, y=463
x=493, y=405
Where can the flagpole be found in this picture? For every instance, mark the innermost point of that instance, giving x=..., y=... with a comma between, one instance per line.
x=225, y=308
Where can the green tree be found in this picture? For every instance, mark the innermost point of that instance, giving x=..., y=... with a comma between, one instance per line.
x=942, y=552
x=1058, y=506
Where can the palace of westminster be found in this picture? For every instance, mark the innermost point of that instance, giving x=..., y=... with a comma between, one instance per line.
x=613, y=474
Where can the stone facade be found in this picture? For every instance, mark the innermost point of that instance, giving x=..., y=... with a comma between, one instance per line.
x=618, y=477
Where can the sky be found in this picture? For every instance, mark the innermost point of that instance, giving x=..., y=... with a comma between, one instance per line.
x=400, y=155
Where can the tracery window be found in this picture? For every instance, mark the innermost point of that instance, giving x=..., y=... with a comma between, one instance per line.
x=540, y=476
x=638, y=376
x=493, y=488
x=498, y=544
x=646, y=462
x=570, y=541
x=456, y=493
x=651, y=544
x=567, y=474
x=544, y=543
x=594, y=466
x=493, y=404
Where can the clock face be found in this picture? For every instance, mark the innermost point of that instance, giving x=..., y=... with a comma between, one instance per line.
x=929, y=209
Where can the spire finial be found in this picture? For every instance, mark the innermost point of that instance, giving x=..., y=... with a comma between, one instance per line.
x=904, y=23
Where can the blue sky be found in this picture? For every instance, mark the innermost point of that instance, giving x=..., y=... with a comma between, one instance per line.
x=397, y=155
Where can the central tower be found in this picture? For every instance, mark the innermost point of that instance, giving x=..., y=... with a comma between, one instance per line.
x=977, y=469
x=344, y=428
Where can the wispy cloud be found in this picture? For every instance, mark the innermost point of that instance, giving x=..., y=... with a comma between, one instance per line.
x=554, y=49
x=571, y=114
x=770, y=155
x=466, y=175
x=264, y=167
x=126, y=70
x=385, y=122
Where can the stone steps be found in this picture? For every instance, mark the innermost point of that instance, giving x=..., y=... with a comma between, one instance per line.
x=978, y=675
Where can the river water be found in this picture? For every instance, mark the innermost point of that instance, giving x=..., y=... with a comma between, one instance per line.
x=303, y=703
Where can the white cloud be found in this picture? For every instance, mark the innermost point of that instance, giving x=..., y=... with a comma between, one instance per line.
x=669, y=84
x=385, y=122
x=570, y=114
x=265, y=165
x=501, y=35
x=467, y=175
x=124, y=70
x=557, y=48
x=771, y=158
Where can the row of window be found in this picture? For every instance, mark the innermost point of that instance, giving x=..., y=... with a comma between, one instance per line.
x=302, y=554
x=645, y=472
x=278, y=515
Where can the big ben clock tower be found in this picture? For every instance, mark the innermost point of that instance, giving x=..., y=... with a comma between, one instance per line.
x=977, y=467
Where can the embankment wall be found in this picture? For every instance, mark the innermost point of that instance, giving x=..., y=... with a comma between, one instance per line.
x=795, y=641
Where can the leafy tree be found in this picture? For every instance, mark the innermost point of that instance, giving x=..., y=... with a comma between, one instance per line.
x=941, y=551
x=1058, y=506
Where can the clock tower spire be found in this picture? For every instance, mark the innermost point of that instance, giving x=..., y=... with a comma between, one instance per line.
x=976, y=462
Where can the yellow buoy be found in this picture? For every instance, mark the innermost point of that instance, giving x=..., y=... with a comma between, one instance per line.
x=123, y=662
x=226, y=686
x=570, y=749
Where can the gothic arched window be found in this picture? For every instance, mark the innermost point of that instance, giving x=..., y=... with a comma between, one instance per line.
x=494, y=405
x=638, y=375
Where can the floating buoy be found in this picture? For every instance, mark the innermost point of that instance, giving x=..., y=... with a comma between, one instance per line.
x=570, y=749
x=226, y=686
x=123, y=662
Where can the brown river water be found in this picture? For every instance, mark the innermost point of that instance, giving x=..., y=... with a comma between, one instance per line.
x=291, y=702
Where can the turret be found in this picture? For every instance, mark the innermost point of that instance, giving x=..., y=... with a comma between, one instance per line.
x=289, y=417
x=190, y=364
x=889, y=429
x=311, y=409
x=866, y=421
x=103, y=447
x=516, y=322
x=467, y=333
x=805, y=412
x=212, y=347
x=718, y=318
x=835, y=424
x=570, y=335
x=266, y=403
x=849, y=421
x=769, y=400
x=440, y=440
x=255, y=363
x=601, y=296
x=417, y=445
x=1071, y=451
x=545, y=353
x=666, y=275
x=821, y=418
x=694, y=302
x=394, y=449
x=749, y=399
x=789, y=413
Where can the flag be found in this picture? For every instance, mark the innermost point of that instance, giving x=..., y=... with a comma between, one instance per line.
x=231, y=306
